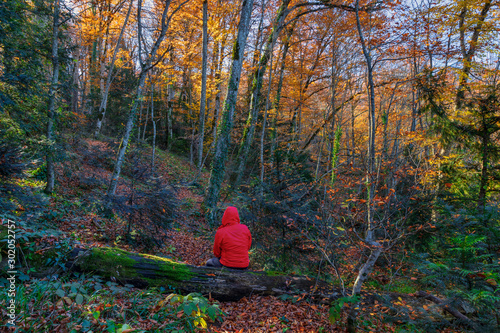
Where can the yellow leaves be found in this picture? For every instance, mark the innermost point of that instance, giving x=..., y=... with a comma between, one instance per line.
x=165, y=301
x=400, y=302
x=200, y=321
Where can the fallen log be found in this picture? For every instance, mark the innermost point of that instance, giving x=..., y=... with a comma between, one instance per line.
x=451, y=310
x=223, y=284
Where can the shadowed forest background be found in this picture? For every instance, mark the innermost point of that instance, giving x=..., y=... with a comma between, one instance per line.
x=360, y=141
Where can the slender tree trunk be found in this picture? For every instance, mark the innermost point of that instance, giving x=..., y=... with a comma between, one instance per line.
x=468, y=54
x=141, y=107
x=376, y=248
x=154, y=129
x=145, y=121
x=203, y=97
x=484, y=165
x=91, y=77
x=257, y=79
x=224, y=129
x=318, y=162
x=104, y=101
x=334, y=136
x=371, y=126
x=145, y=67
x=385, y=121
x=75, y=83
x=257, y=50
x=140, y=121
x=276, y=102
x=52, y=101
x=128, y=130
x=193, y=133
x=170, y=107
x=353, y=139
x=264, y=124
x=220, y=55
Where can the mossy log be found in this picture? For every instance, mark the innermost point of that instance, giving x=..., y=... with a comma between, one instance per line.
x=223, y=284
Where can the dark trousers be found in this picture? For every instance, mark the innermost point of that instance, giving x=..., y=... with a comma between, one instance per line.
x=214, y=262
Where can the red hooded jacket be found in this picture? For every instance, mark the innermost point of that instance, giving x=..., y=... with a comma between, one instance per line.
x=232, y=240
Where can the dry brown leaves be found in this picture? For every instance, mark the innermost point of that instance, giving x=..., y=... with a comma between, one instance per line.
x=270, y=314
x=188, y=248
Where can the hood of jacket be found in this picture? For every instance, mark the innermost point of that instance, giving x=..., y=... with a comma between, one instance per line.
x=230, y=217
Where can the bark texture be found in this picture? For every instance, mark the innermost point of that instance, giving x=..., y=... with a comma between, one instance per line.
x=257, y=80
x=223, y=284
x=52, y=101
x=146, y=66
x=203, y=97
x=104, y=101
x=226, y=123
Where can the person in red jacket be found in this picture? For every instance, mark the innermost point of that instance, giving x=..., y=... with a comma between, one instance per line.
x=232, y=242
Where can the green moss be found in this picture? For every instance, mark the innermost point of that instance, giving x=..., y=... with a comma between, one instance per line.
x=236, y=50
x=114, y=262
x=170, y=269
x=110, y=262
x=274, y=273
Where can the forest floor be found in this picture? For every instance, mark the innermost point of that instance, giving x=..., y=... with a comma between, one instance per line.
x=69, y=219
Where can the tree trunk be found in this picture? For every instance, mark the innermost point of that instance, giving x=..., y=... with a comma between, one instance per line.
x=376, y=248
x=52, y=101
x=145, y=67
x=276, y=102
x=220, y=59
x=371, y=130
x=154, y=130
x=146, y=116
x=257, y=78
x=140, y=120
x=126, y=136
x=224, y=129
x=203, y=97
x=468, y=54
x=170, y=105
x=223, y=284
x=264, y=124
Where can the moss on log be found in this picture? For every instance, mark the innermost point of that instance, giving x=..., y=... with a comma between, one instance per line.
x=224, y=284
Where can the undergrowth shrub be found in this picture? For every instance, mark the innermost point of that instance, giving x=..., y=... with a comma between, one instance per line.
x=89, y=304
x=11, y=161
x=462, y=261
x=148, y=208
x=287, y=207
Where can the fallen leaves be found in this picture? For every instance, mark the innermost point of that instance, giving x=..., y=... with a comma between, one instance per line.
x=269, y=314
